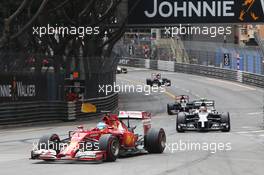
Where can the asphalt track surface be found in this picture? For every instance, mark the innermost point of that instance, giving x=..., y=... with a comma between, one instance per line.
x=246, y=138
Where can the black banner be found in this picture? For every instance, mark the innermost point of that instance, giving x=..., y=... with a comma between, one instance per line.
x=168, y=12
x=22, y=87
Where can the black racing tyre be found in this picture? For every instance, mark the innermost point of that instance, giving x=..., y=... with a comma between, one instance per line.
x=149, y=82
x=166, y=81
x=156, y=83
x=159, y=83
x=169, y=108
x=225, y=118
x=111, y=145
x=155, y=141
x=169, y=83
x=180, y=119
x=50, y=142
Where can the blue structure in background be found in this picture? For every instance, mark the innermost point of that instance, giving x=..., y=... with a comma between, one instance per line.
x=219, y=57
x=250, y=59
x=258, y=61
x=250, y=63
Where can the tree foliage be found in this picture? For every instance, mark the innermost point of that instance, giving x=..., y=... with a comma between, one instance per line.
x=18, y=17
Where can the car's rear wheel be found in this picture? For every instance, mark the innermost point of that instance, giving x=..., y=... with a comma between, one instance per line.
x=181, y=119
x=225, y=118
x=110, y=144
x=155, y=140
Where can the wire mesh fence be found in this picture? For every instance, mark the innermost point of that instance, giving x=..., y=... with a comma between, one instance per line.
x=244, y=58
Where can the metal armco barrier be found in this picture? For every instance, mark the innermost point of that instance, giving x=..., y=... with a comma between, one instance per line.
x=109, y=103
x=252, y=79
x=135, y=62
x=213, y=72
x=43, y=111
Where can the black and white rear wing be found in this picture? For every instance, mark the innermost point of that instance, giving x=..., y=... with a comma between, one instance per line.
x=208, y=103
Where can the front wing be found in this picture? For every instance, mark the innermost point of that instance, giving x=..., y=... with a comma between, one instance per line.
x=210, y=125
x=49, y=155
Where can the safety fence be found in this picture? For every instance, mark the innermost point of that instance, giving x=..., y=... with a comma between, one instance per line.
x=208, y=71
x=48, y=111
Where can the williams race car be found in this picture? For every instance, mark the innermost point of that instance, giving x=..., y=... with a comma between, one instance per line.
x=121, y=70
x=156, y=80
x=181, y=105
x=110, y=139
x=203, y=117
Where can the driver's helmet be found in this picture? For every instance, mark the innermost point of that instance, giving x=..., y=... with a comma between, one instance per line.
x=158, y=75
x=182, y=100
x=203, y=109
x=101, y=125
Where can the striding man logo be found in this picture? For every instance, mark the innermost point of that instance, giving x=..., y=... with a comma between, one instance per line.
x=248, y=11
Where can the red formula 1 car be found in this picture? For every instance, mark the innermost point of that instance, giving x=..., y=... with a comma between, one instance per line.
x=110, y=139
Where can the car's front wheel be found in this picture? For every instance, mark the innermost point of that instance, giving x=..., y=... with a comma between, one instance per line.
x=49, y=142
x=149, y=82
x=169, y=109
x=181, y=119
x=225, y=119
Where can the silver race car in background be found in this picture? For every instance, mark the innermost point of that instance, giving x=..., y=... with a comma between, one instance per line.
x=203, y=117
x=121, y=70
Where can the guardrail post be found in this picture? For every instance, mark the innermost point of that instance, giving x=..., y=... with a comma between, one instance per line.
x=240, y=76
x=147, y=63
x=71, y=111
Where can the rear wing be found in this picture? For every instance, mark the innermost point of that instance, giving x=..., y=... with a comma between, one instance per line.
x=155, y=75
x=136, y=115
x=209, y=103
x=181, y=97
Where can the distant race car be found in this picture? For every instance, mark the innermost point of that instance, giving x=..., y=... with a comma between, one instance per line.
x=202, y=116
x=181, y=104
x=110, y=139
x=121, y=70
x=156, y=80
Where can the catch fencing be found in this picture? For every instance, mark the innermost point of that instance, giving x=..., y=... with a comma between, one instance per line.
x=208, y=71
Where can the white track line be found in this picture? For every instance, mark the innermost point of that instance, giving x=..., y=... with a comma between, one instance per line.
x=231, y=83
x=255, y=113
x=248, y=132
